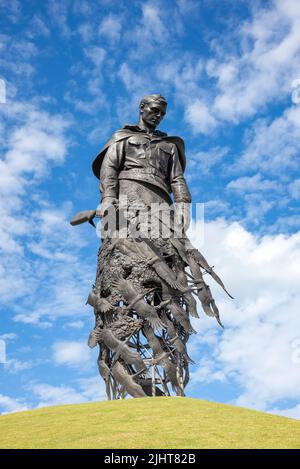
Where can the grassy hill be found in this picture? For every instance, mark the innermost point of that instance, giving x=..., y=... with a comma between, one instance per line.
x=161, y=422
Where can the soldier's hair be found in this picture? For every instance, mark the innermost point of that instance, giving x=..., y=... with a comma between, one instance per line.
x=156, y=98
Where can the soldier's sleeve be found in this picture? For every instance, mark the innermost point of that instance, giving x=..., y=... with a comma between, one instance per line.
x=109, y=184
x=178, y=184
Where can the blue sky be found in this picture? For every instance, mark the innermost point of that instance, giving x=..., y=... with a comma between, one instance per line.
x=73, y=72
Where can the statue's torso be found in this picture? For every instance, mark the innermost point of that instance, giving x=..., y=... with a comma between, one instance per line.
x=142, y=151
x=147, y=158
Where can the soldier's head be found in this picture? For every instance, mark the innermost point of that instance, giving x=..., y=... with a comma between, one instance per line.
x=152, y=109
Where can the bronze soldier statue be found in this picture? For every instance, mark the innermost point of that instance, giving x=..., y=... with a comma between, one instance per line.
x=143, y=294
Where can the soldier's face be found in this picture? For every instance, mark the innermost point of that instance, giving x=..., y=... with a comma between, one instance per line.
x=153, y=113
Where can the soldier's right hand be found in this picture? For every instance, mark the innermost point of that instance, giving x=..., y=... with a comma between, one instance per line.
x=105, y=204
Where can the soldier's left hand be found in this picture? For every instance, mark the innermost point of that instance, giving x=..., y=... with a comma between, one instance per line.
x=182, y=215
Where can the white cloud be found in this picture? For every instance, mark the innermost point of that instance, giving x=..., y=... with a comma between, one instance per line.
x=58, y=13
x=286, y=223
x=253, y=184
x=273, y=147
x=71, y=353
x=203, y=161
x=92, y=388
x=54, y=289
x=38, y=139
x=238, y=82
x=38, y=27
x=151, y=30
x=9, y=336
x=90, y=97
x=270, y=53
x=76, y=324
x=48, y=395
x=8, y=404
x=86, y=32
x=198, y=115
x=87, y=389
x=111, y=27
x=271, y=152
x=12, y=9
x=133, y=81
x=256, y=350
x=152, y=23
x=34, y=143
x=44, y=395
x=293, y=412
x=256, y=207
x=294, y=189
x=15, y=366
x=41, y=286
x=82, y=8
x=187, y=6
x=96, y=55
x=15, y=58
x=217, y=207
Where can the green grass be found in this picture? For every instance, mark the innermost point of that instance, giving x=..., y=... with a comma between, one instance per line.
x=161, y=422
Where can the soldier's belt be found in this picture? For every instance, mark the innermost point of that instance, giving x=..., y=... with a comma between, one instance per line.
x=150, y=175
x=153, y=171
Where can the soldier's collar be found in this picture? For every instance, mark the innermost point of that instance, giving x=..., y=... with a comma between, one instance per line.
x=137, y=128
